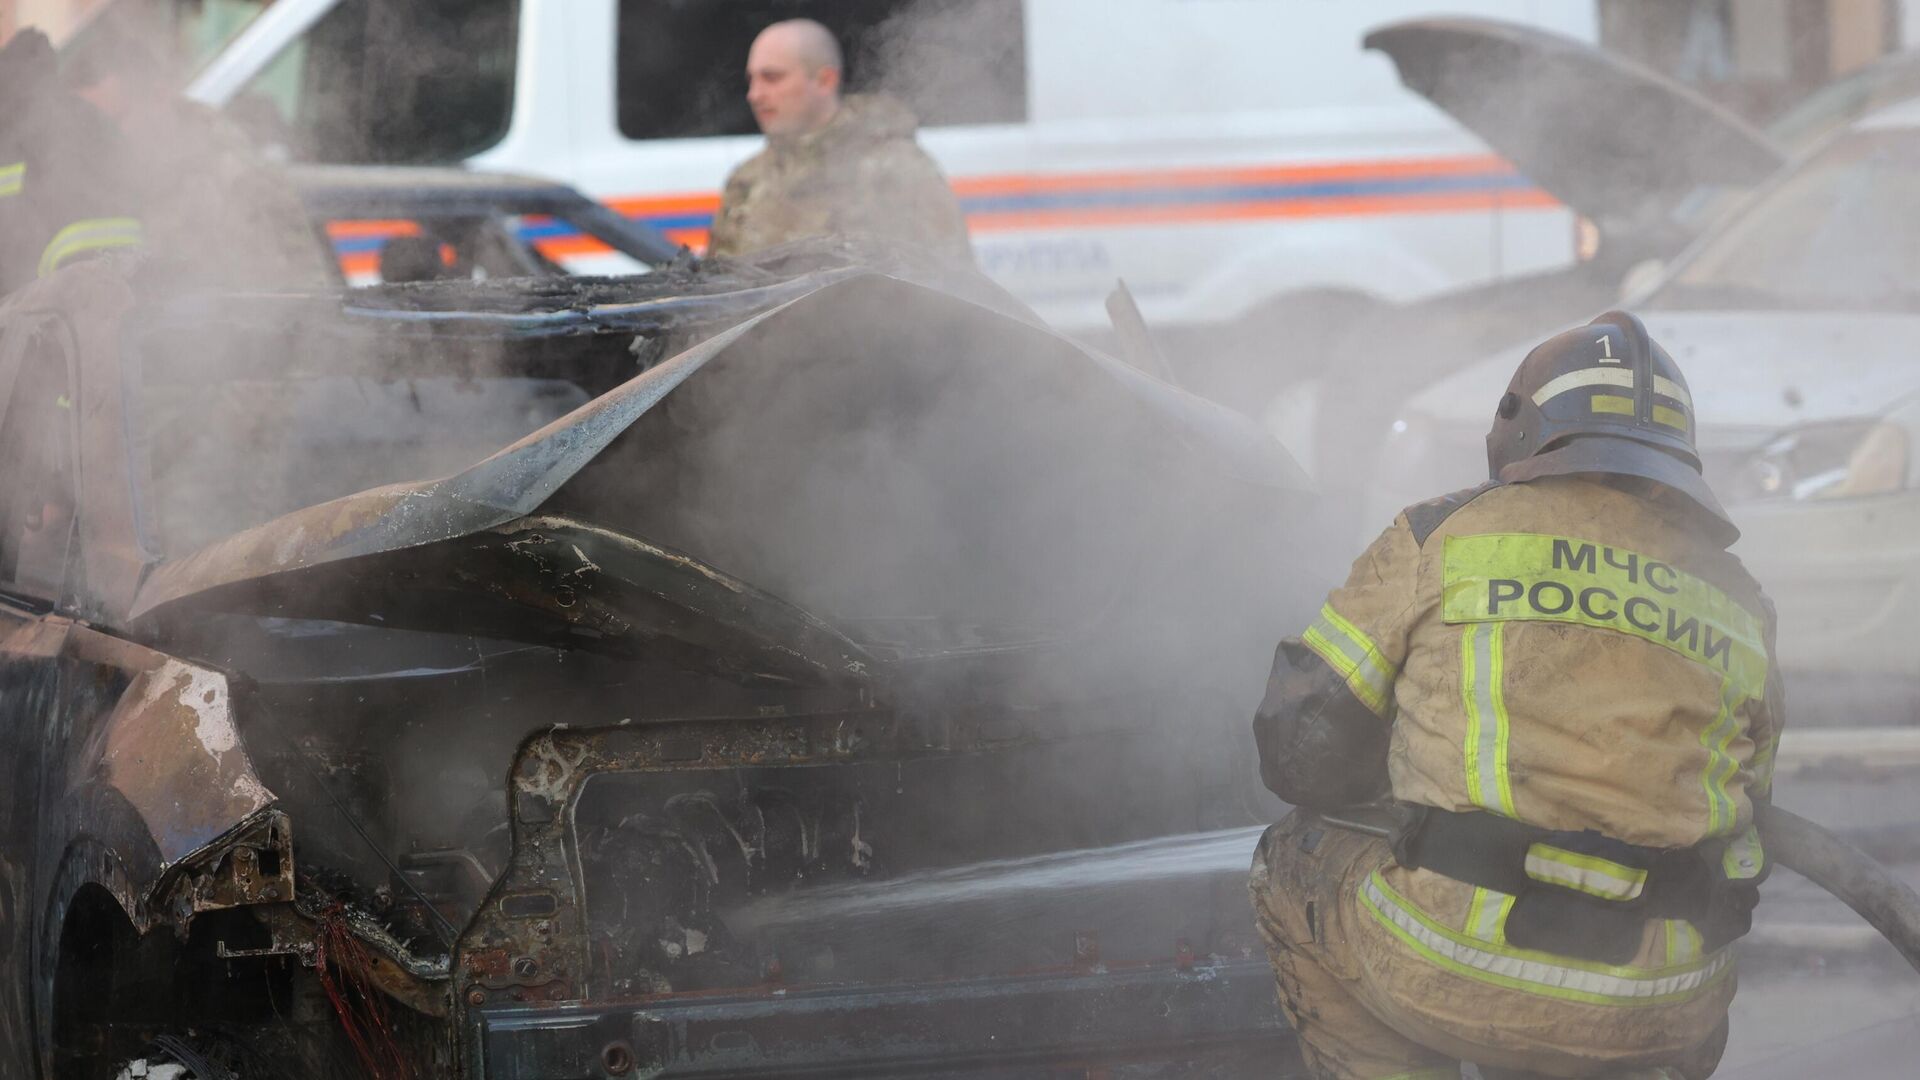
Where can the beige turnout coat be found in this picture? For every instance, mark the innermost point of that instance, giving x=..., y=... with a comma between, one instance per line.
x=1561, y=652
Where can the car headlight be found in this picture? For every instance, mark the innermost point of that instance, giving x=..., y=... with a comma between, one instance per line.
x=1843, y=460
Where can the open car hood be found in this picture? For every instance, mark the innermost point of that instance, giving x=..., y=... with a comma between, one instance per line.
x=1611, y=139
x=956, y=445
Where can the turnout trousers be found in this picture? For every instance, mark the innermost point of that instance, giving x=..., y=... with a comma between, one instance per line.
x=1384, y=975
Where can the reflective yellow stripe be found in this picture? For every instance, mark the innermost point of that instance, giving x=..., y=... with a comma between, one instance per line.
x=1354, y=655
x=1762, y=764
x=1744, y=857
x=1502, y=577
x=1589, y=874
x=1721, y=765
x=1487, y=915
x=1533, y=972
x=1684, y=945
x=1482, y=670
x=89, y=234
x=1612, y=403
x=12, y=178
x=1672, y=417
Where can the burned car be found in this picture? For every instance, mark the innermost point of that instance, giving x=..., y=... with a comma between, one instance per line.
x=695, y=674
x=412, y=223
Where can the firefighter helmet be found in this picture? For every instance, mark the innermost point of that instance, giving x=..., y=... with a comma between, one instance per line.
x=1604, y=398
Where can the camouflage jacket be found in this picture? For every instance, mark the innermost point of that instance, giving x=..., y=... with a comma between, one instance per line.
x=861, y=175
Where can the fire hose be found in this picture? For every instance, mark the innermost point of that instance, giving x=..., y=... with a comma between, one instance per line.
x=1851, y=875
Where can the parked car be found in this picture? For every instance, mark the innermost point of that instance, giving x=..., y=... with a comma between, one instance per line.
x=1648, y=164
x=1796, y=323
x=422, y=680
x=413, y=223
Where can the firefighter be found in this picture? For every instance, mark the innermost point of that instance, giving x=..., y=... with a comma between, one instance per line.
x=62, y=168
x=833, y=165
x=105, y=157
x=1525, y=741
x=212, y=205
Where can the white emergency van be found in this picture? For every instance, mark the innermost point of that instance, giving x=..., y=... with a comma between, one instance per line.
x=1228, y=158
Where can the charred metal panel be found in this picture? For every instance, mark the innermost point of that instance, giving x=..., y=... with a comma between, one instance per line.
x=255, y=867
x=529, y=940
x=1173, y=1015
x=171, y=750
x=30, y=696
x=568, y=582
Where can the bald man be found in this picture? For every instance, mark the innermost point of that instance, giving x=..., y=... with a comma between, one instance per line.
x=833, y=165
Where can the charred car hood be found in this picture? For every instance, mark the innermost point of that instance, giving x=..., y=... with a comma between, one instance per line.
x=510, y=548
x=1608, y=137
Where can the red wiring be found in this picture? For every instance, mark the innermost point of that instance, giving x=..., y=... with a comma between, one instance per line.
x=342, y=962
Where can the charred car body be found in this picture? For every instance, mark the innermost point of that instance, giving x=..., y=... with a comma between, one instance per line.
x=328, y=768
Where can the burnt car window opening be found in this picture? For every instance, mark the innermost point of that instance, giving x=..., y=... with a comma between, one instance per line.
x=235, y=452
x=37, y=502
x=424, y=82
x=681, y=63
x=1840, y=234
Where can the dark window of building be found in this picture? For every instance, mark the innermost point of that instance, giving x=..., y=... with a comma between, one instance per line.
x=682, y=63
x=428, y=81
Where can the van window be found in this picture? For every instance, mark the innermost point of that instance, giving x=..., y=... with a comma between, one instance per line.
x=180, y=35
x=682, y=63
x=424, y=82
x=37, y=502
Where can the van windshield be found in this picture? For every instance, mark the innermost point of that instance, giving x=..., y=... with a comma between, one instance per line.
x=370, y=83
x=186, y=34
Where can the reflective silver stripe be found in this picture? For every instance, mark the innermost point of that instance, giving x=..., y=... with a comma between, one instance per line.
x=1487, y=914
x=1589, y=874
x=1524, y=972
x=1488, y=783
x=1355, y=657
x=1666, y=386
x=1574, y=380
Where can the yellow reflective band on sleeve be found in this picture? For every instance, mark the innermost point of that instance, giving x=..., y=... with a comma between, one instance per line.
x=1745, y=857
x=1589, y=874
x=1612, y=404
x=1503, y=577
x=1355, y=657
x=1482, y=673
x=1525, y=970
x=88, y=234
x=12, y=178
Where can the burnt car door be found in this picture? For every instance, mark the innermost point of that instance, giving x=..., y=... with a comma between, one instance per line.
x=122, y=766
x=36, y=516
